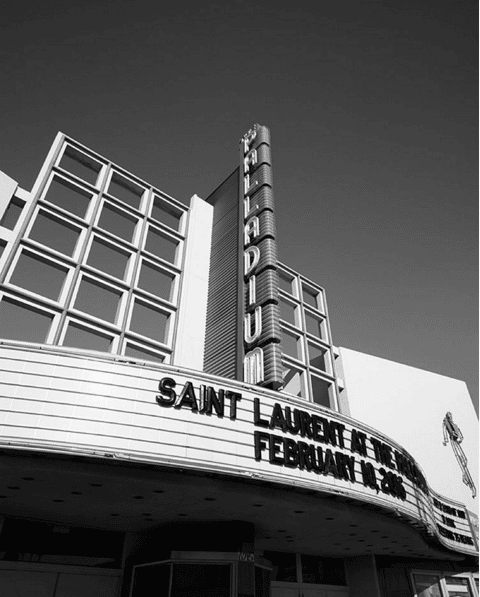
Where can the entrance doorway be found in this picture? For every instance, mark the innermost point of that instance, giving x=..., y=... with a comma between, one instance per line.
x=437, y=584
x=47, y=582
x=300, y=575
x=302, y=590
x=183, y=579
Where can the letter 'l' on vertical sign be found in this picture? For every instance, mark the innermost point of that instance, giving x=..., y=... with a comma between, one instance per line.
x=262, y=355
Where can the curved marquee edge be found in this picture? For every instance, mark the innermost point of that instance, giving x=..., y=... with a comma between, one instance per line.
x=241, y=429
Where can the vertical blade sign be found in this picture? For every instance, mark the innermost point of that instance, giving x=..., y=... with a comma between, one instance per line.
x=262, y=363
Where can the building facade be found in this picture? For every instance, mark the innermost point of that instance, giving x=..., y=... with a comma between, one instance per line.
x=176, y=420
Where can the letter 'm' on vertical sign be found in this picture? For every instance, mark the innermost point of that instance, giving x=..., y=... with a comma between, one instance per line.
x=253, y=366
x=262, y=350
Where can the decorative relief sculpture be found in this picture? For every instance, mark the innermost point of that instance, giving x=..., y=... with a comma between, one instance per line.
x=452, y=432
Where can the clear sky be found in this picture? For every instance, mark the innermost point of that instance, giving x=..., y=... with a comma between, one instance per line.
x=373, y=112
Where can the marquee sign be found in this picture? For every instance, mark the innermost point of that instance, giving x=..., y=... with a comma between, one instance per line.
x=328, y=451
x=172, y=417
x=453, y=523
x=262, y=360
x=311, y=442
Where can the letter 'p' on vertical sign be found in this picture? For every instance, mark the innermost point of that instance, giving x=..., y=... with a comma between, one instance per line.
x=261, y=327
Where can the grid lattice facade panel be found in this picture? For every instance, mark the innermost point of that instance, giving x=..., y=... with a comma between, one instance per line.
x=308, y=356
x=99, y=253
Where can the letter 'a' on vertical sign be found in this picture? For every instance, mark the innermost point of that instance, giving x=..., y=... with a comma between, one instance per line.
x=252, y=230
x=258, y=233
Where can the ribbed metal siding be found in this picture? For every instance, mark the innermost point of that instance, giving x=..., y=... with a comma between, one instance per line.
x=222, y=311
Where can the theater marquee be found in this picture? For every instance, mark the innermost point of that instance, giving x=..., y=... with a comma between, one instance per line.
x=172, y=417
x=323, y=449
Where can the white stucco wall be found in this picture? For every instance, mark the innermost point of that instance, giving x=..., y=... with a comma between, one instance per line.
x=7, y=190
x=192, y=314
x=409, y=405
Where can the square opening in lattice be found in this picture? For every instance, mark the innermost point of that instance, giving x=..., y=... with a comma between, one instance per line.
x=126, y=190
x=78, y=163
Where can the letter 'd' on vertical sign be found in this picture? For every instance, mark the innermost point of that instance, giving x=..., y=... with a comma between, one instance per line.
x=261, y=328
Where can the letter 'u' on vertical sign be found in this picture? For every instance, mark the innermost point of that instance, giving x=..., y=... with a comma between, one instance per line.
x=255, y=335
x=253, y=366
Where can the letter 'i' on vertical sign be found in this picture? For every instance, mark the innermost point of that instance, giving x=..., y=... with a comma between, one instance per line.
x=262, y=358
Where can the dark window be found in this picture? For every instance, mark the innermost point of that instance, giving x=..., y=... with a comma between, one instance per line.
x=310, y=297
x=98, y=300
x=201, y=580
x=55, y=233
x=23, y=540
x=427, y=585
x=262, y=582
x=161, y=245
x=12, y=213
x=35, y=324
x=108, y=258
x=156, y=280
x=293, y=380
x=286, y=282
x=316, y=356
x=458, y=586
x=150, y=322
x=287, y=312
x=166, y=213
x=291, y=344
x=154, y=575
x=117, y=222
x=80, y=164
x=38, y=275
x=284, y=566
x=125, y=190
x=68, y=196
x=132, y=350
x=79, y=336
x=321, y=391
x=323, y=571
x=315, y=325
